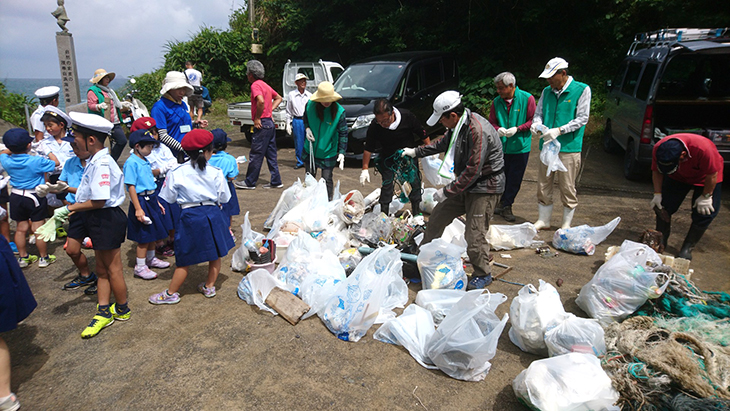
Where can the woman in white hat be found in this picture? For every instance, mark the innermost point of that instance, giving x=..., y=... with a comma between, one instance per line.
x=326, y=130
x=103, y=101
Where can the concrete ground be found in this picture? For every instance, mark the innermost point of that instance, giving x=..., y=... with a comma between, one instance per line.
x=221, y=353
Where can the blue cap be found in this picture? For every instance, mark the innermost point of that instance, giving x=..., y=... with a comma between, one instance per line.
x=219, y=137
x=667, y=155
x=141, y=136
x=17, y=139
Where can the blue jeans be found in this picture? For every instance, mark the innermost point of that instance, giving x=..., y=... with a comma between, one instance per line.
x=263, y=144
x=297, y=127
x=674, y=192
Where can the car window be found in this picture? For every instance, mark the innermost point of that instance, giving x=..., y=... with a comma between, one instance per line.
x=632, y=77
x=692, y=76
x=432, y=73
x=369, y=80
x=647, y=79
x=415, y=81
x=335, y=71
x=620, y=76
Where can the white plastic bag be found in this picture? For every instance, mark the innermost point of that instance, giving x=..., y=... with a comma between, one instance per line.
x=531, y=313
x=352, y=207
x=356, y=303
x=440, y=265
x=583, y=239
x=412, y=330
x=427, y=202
x=622, y=284
x=439, y=302
x=570, y=382
x=508, y=237
x=575, y=334
x=238, y=260
x=303, y=251
x=289, y=198
x=549, y=155
x=323, y=273
x=431, y=165
x=256, y=286
x=467, y=338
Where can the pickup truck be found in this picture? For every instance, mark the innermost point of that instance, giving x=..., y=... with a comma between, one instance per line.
x=239, y=114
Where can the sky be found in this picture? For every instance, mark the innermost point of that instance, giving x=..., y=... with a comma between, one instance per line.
x=126, y=37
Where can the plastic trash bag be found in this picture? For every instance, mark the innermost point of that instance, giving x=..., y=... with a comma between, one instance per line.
x=316, y=209
x=289, y=198
x=532, y=312
x=508, y=237
x=352, y=207
x=412, y=330
x=439, y=302
x=372, y=198
x=467, y=338
x=583, y=239
x=623, y=284
x=549, y=155
x=239, y=257
x=356, y=302
x=575, y=334
x=349, y=259
x=301, y=254
x=373, y=228
x=440, y=265
x=431, y=165
x=570, y=382
x=255, y=286
x=323, y=273
x=454, y=233
x=427, y=202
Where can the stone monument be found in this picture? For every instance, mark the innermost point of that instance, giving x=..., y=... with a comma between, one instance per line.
x=66, y=57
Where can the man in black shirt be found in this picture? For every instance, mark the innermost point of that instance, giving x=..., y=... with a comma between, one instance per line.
x=391, y=130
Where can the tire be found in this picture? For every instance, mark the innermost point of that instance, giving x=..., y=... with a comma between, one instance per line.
x=632, y=167
x=609, y=143
x=247, y=132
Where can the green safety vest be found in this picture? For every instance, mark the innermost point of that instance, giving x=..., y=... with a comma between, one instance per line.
x=559, y=111
x=521, y=141
x=327, y=139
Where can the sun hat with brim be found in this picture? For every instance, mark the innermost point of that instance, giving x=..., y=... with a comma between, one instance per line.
x=668, y=154
x=141, y=136
x=58, y=114
x=48, y=91
x=143, y=123
x=553, y=66
x=87, y=123
x=445, y=101
x=175, y=80
x=325, y=93
x=17, y=139
x=301, y=76
x=196, y=139
x=100, y=74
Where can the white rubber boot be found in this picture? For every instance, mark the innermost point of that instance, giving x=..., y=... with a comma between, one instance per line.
x=567, y=217
x=544, y=213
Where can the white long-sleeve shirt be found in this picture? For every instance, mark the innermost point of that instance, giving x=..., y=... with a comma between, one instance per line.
x=583, y=109
x=295, y=103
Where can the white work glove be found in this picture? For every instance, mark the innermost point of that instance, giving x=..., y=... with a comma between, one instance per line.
x=4, y=182
x=127, y=106
x=3, y=213
x=47, y=232
x=341, y=160
x=310, y=136
x=410, y=152
x=288, y=129
x=102, y=106
x=59, y=187
x=551, y=134
x=502, y=131
x=704, y=205
x=42, y=190
x=439, y=195
x=510, y=132
x=656, y=201
x=364, y=176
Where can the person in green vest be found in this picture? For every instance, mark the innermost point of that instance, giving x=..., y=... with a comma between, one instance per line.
x=511, y=115
x=326, y=131
x=103, y=101
x=562, y=113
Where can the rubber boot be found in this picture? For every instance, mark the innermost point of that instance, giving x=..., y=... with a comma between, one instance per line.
x=664, y=227
x=544, y=213
x=567, y=217
x=507, y=214
x=693, y=236
x=385, y=208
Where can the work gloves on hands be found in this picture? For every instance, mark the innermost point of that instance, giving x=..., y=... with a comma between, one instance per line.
x=364, y=176
x=127, y=106
x=410, y=152
x=59, y=187
x=551, y=135
x=47, y=232
x=102, y=106
x=41, y=190
x=439, y=195
x=507, y=132
x=310, y=136
x=341, y=160
x=704, y=205
x=288, y=129
x=656, y=201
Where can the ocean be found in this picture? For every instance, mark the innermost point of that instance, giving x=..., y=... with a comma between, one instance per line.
x=28, y=86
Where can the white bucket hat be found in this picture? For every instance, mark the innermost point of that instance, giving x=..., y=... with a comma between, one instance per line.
x=553, y=66
x=301, y=76
x=444, y=102
x=175, y=80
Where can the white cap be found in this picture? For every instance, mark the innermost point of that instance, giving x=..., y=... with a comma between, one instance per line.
x=553, y=66
x=59, y=113
x=444, y=102
x=92, y=122
x=301, y=76
x=45, y=92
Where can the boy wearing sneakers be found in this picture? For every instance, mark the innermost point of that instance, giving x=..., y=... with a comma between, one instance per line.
x=26, y=173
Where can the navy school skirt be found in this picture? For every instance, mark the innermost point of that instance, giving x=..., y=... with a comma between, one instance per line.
x=143, y=233
x=201, y=235
x=232, y=207
x=16, y=299
x=172, y=211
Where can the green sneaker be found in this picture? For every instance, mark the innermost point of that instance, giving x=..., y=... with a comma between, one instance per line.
x=122, y=317
x=44, y=262
x=27, y=260
x=97, y=324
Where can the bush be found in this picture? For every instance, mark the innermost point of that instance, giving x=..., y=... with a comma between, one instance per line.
x=12, y=106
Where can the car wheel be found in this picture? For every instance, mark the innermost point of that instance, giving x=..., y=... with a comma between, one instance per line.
x=609, y=144
x=632, y=168
x=247, y=132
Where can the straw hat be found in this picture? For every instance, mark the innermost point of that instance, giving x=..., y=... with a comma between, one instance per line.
x=100, y=74
x=175, y=80
x=325, y=93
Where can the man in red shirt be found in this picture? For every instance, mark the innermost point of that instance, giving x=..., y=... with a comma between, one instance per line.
x=264, y=100
x=680, y=163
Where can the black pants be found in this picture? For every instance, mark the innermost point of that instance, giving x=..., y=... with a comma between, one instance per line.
x=514, y=171
x=326, y=174
x=118, y=141
x=674, y=192
x=385, y=168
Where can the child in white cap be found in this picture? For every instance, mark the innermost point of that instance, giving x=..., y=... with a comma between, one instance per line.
x=47, y=96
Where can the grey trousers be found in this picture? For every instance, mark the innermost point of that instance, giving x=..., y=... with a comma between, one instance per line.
x=478, y=209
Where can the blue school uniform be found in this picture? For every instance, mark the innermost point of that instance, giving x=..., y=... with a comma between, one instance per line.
x=138, y=173
x=26, y=173
x=16, y=299
x=227, y=164
x=71, y=174
x=202, y=233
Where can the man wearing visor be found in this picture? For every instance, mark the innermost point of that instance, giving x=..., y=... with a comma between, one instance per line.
x=680, y=163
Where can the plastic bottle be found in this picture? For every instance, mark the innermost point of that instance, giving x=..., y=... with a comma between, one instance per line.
x=251, y=247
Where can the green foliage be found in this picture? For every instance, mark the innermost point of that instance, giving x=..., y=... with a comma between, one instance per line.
x=148, y=87
x=12, y=107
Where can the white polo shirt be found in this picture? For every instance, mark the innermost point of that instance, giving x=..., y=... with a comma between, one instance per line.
x=186, y=184
x=63, y=150
x=102, y=180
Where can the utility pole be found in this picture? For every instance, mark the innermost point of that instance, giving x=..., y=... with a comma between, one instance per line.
x=256, y=47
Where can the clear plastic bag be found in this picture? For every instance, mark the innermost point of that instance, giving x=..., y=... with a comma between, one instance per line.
x=575, y=334
x=440, y=265
x=550, y=156
x=431, y=165
x=467, y=338
x=508, y=237
x=373, y=228
x=439, y=302
x=583, y=239
x=289, y=198
x=623, y=284
x=301, y=254
x=255, y=286
x=352, y=207
x=427, y=202
x=570, y=382
x=239, y=257
x=532, y=312
x=412, y=330
x=323, y=273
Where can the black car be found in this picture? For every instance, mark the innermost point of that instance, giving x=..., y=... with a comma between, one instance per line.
x=410, y=80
